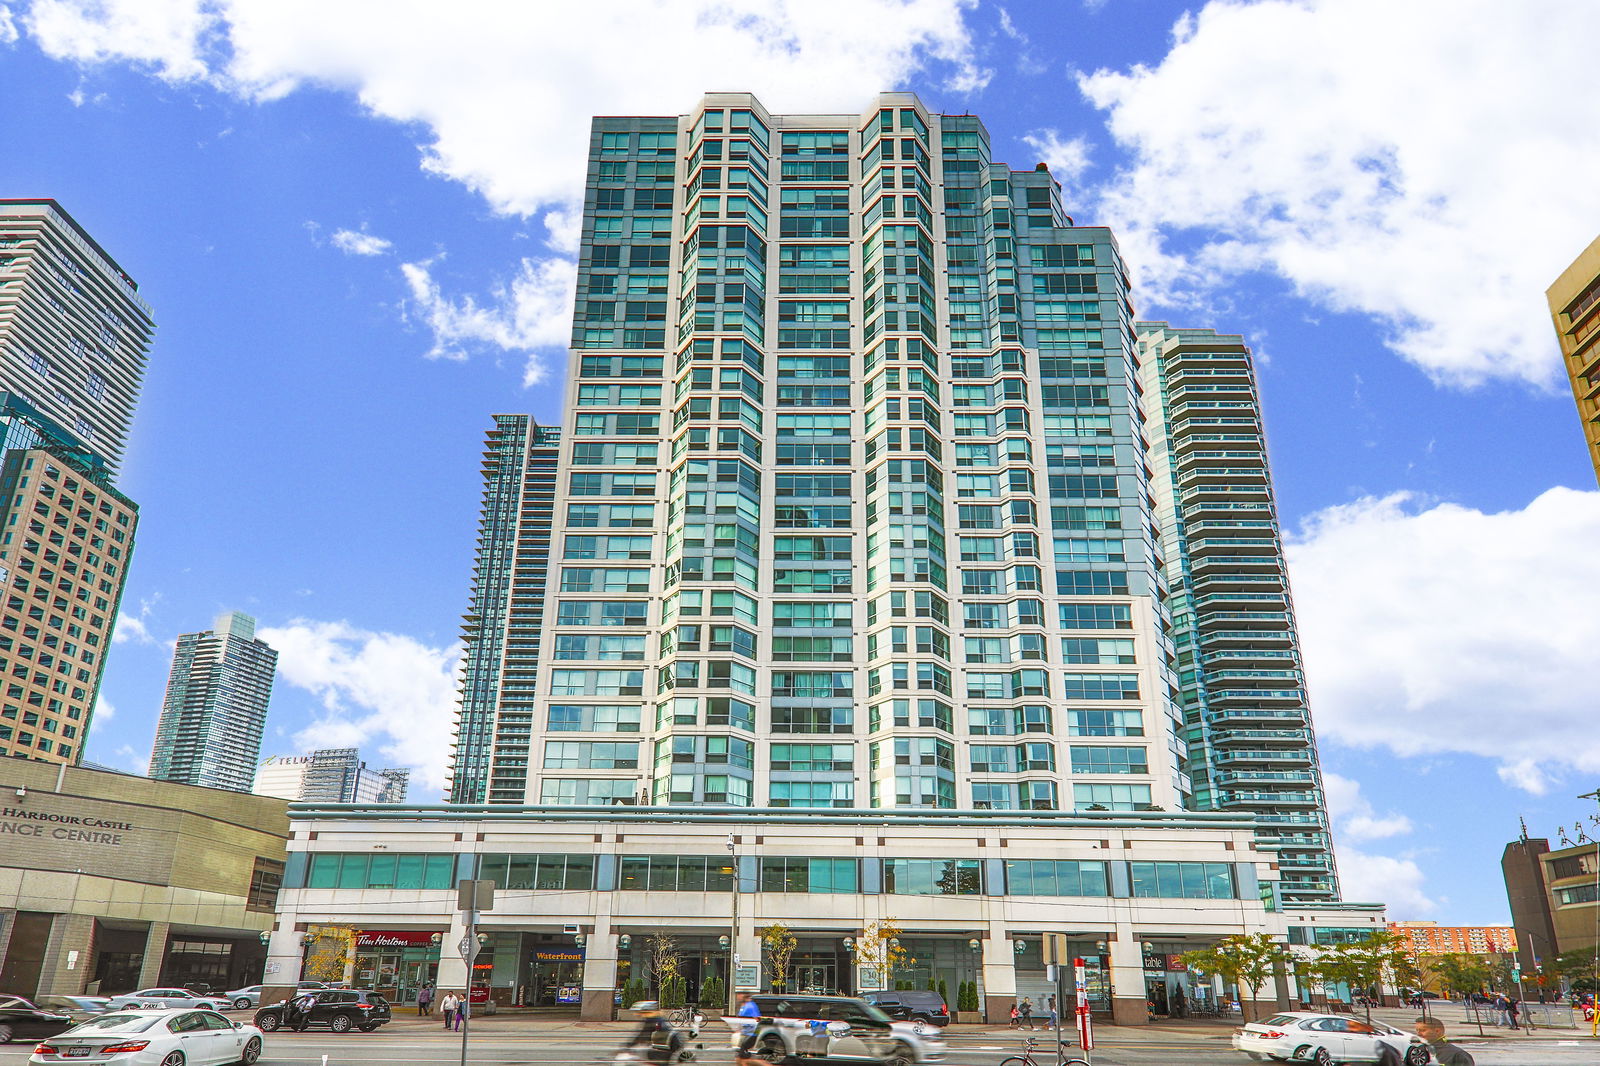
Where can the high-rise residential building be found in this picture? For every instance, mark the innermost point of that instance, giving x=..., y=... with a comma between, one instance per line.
x=1574, y=301
x=216, y=706
x=495, y=724
x=855, y=609
x=73, y=340
x=64, y=550
x=74, y=332
x=852, y=512
x=329, y=775
x=1248, y=732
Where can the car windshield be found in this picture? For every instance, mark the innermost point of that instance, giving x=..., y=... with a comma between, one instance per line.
x=15, y=1001
x=122, y=1023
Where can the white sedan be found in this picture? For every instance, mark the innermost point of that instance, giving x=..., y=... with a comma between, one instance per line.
x=167, y=998
x=153, y=1038
x=1326, y=1039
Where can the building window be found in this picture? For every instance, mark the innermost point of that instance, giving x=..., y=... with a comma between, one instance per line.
x=265, y=880
x=1046, y=877
x=809, y=875
x=933, y=877
x=677, y=873
x=543, y=872
x=1183, y=880
x=335, y=870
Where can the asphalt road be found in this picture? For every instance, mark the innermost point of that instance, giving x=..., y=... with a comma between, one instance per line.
x=582, y=1049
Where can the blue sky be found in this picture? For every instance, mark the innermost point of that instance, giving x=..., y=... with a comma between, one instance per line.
x=354, y=221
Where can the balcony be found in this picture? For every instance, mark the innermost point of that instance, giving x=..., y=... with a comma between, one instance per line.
x=1267, y=799
x=1221, y=716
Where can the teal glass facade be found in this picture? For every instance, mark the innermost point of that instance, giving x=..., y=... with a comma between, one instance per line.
x=855, y=476
x=1251, y=745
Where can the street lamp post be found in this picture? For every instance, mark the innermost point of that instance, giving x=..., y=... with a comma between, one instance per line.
x=976, y=947
x=733, y=934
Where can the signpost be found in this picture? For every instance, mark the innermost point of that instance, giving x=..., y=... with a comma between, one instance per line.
x=471, y=897
x=1085, y=1026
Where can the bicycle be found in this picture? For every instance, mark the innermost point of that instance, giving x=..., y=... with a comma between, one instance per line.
x=1027, y=1059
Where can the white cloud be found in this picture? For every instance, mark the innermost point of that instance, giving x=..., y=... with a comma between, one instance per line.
x=167, y=37
x=1437, y=628
x=103, y=711
x=1353, y=814
x=360, y=242
x=382, y=690
x=533, y=311
x=502, y=94
x=1365, y=878
x=8, y=25
x=1067, y=159
x=136, y=627
x=1427, y=173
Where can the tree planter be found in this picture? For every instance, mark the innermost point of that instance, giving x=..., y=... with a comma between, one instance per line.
x=969, y=1017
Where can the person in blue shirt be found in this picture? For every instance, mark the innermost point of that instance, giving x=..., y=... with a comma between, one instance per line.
x=747, y=1009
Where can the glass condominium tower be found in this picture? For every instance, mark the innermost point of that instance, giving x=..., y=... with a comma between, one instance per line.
x=1251, y=746
x=855, y=510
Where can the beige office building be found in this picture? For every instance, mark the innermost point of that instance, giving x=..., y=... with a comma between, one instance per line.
x=111, y=883
x=1575, y=307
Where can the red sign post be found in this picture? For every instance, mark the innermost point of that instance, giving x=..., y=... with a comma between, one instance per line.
x=1085, y=1026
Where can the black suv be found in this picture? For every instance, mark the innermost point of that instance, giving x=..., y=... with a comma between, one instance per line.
x=911, y=1005
x=340, y=1009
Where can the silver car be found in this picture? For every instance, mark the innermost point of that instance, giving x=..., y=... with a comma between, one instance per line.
x=167, y=999
x=841, y=1029
x=244, y=998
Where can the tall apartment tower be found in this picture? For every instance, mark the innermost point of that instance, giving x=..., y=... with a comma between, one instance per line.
x=216, y=706
x=1574, y=301
x=502, y=630
x=854, y=512
x=74, y=332
x=1247, y=726
x=73, y=340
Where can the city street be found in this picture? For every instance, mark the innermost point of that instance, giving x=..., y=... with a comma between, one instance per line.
x=571, y=1045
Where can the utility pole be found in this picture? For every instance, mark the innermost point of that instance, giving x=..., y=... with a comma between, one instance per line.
x=1594, y=1026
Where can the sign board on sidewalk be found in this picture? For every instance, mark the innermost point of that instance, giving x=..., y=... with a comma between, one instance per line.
x=474, y=895
x=747, y=977
x=869, y=979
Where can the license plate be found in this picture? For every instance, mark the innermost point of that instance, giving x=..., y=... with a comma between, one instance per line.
x=75, y=1052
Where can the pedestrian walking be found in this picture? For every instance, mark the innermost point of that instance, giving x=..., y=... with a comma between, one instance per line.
x=463, y=1009
x=1027, y=1013
x=1052, y=1009
x=447, y=1007
x=424, y=1000
x=1513, y=1008
x=1444, y=1052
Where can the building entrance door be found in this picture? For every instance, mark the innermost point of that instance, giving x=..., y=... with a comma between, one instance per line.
x=556, y=982
x=814, y=975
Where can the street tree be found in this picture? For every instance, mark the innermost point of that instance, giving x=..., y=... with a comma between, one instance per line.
x=330, y=953
x=1365, y=965
x=1465, y=975
x=780, y=944
x=1246, y=960
x=878, y=944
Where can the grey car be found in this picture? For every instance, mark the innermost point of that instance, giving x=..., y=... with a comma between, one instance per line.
x=244, y=998
x=167, y=999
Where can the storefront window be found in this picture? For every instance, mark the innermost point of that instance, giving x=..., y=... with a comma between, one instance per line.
x=1183, y=880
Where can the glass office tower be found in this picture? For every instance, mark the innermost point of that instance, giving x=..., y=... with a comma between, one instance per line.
x=855, y=508
x=1248, y=727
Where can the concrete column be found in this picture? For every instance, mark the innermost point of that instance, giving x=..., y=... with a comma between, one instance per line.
x=1128, y=1002
x=452, y=967
x=1280, y=985
x=285, y=959
x=8, y=921
x=599, y=972
x=999, y=973
x=155, y=954
x=67, y=956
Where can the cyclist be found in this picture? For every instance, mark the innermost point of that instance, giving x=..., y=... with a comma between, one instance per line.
x=660, y=1041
